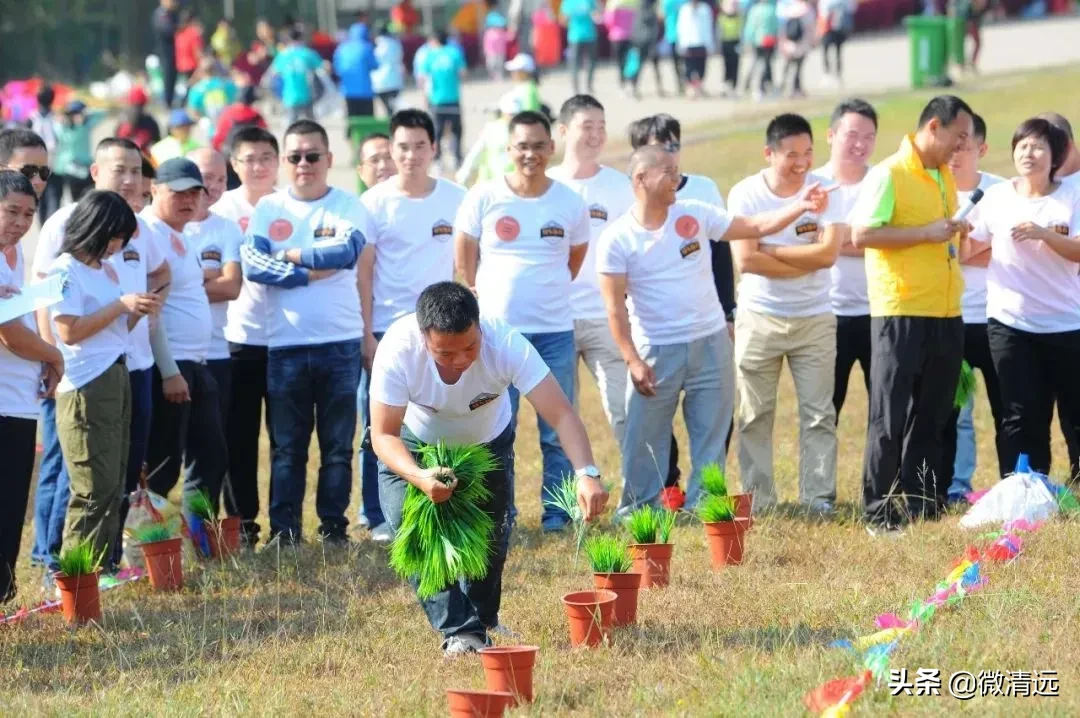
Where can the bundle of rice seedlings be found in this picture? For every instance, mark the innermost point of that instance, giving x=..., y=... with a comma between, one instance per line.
x=716, y=508
x=153, y=532
x=80, y=559
x=608, y=554
x=439, y=544
x=965, y=387
x=713, y=480
x=650, y=525
x=199, y=505
x=564, y=498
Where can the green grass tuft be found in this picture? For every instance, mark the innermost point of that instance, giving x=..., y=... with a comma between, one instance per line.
x=965, y=386
x=608, y=554
x=152, y=532
x=80, y=559
x=650, y=525
x=716, y=508
x=714, y=480
x=440, y=543
x=200, y=505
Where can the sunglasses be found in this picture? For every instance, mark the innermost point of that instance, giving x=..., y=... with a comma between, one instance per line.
x=29, y=171
x=310, y=157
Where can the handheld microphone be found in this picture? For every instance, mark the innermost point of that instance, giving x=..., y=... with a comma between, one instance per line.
x=964, y=211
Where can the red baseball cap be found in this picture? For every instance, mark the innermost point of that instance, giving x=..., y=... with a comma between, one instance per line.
x=137, y=96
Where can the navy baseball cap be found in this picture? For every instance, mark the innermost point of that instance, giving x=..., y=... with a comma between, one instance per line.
x=179, y=175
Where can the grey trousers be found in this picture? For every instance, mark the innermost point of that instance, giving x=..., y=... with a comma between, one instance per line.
x=703, y=372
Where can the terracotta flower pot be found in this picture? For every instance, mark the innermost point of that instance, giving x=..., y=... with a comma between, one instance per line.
x=653, y=562
x=80, y=599
x=625, y=587
x=478, y=704
x=725, y=542
x=163, y=564
x=743, y=504
x=591, y=614
x=224, y=536
x=509, y=669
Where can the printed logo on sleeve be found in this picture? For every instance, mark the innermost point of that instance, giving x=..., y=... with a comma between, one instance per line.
x=1060, y=228
x=131, y=255
x=110, y=273
x=507, y=229
x=442, y=230
x=687, y=227
x=177, y=244
x=598, y=212
x=210, y=257
x=482, y=399
x=280, y=230
x=806, y=226
x=243, y=222
x=552, y=231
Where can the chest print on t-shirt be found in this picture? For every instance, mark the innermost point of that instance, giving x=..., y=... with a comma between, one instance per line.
x=131, y=256
x=507, y=229
x=598, y=214
x=552, y=232
x=687, y=227
x=806, y=226
x=210, y=257
x=481, y=399
x=442, y=230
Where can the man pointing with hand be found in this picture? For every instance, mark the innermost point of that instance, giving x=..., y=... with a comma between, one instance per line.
x=443, y=374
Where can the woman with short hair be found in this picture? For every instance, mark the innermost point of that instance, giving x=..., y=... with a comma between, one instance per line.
x=1032, y=224
x=93, y=400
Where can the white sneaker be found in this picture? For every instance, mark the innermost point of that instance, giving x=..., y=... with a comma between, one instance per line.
x=887, y=531
x=382, y=533
x=463, y=644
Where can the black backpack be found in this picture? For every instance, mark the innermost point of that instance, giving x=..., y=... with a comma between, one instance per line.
x=793, y=29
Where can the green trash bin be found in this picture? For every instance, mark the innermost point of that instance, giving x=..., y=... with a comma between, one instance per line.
x=956, y=32
x=928, y=39
x=361, y=127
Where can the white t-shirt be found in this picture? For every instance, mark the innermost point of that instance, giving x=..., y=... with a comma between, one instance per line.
x=326, y=310
x=524, y=277
x=1030, y=287
x=701, y=188
x=86, y=290
x=246, y=315
x=217, y=241
x=607, y=196
x=672, y=298
x=476, y=408
x=19, y=378
x=847, y=278
x=973, y=302
x=803, y=296
x=186, y=312
x=142, y=255
x=414, y=245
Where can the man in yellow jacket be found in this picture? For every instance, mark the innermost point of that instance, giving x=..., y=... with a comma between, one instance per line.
x=904, y=221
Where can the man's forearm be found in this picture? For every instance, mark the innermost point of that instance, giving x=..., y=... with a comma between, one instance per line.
x=466, y=258
x=619, y=323
x=41, y=318
x=887, y=237
x=391, y=451
x=159, y=346
x=809, y=257
x=365, y=279
x=21, y=341
x=574, y=440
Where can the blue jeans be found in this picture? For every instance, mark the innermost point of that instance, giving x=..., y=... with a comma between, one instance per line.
x=557, y=351
x=465, y=607
x=52, y=494
x=142, y=405
x=964, y=463
x=370, y=509
x=312, y=388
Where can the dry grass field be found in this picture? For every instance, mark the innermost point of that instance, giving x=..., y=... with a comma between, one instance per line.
x=321, y=632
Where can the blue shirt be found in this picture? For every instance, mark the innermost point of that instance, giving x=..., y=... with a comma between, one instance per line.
x=580, y=26
x=671, y=18
x=294, y=65
x=442, y=66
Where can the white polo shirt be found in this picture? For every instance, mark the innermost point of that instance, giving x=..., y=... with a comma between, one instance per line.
x=1030, y=287
x=245, y=316
x=973, y=301
x=19, y=378
x=523, y=277
x=847, y=278
x=672, y=298
x=607, y=196
x=414, y=245
x=803, y=296
x=474, y=409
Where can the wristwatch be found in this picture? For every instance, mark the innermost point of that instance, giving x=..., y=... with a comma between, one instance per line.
x=591, y=471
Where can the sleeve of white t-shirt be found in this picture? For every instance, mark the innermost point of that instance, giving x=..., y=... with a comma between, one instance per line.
x=518, y=362
x=716, y=220
x=50, y=238
x=155, y=254
x=610, y=252
x=579, y=232
x=470, y=215
x=388, y=381
x=72, y=302
x=230, y=250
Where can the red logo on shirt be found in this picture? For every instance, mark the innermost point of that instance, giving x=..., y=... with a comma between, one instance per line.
x=280, y=230
x=111, y=273
x=243, y=223
x=686, y=226
x=178, y=245
x=507, y=229
x=11, y=255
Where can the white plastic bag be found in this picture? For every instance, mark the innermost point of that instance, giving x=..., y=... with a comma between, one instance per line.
x=1019, y=496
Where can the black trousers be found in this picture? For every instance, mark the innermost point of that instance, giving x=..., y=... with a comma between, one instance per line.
x=247, y=397
x=1072, y=443
x=834, y=39
x=448, y=119
x=18, y=441
x=793, y=68
x=1032, y=370
x=729, y=49
x=977, y=354
x=852, y=345
x=914, y=368
x=169, y=77
x=188, y=435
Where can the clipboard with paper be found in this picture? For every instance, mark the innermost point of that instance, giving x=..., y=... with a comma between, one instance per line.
x=32, y=297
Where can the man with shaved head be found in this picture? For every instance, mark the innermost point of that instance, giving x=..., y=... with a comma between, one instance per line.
x=217, y=241
x=672, y=333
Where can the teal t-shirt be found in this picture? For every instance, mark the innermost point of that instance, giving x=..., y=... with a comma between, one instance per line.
x=580, y=26
x=210, y=96
x=294, y=65
x=442, y=66
x=671, y=18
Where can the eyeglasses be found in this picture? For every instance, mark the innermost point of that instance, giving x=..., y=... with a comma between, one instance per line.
x=30, y=171
x=310, y=157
